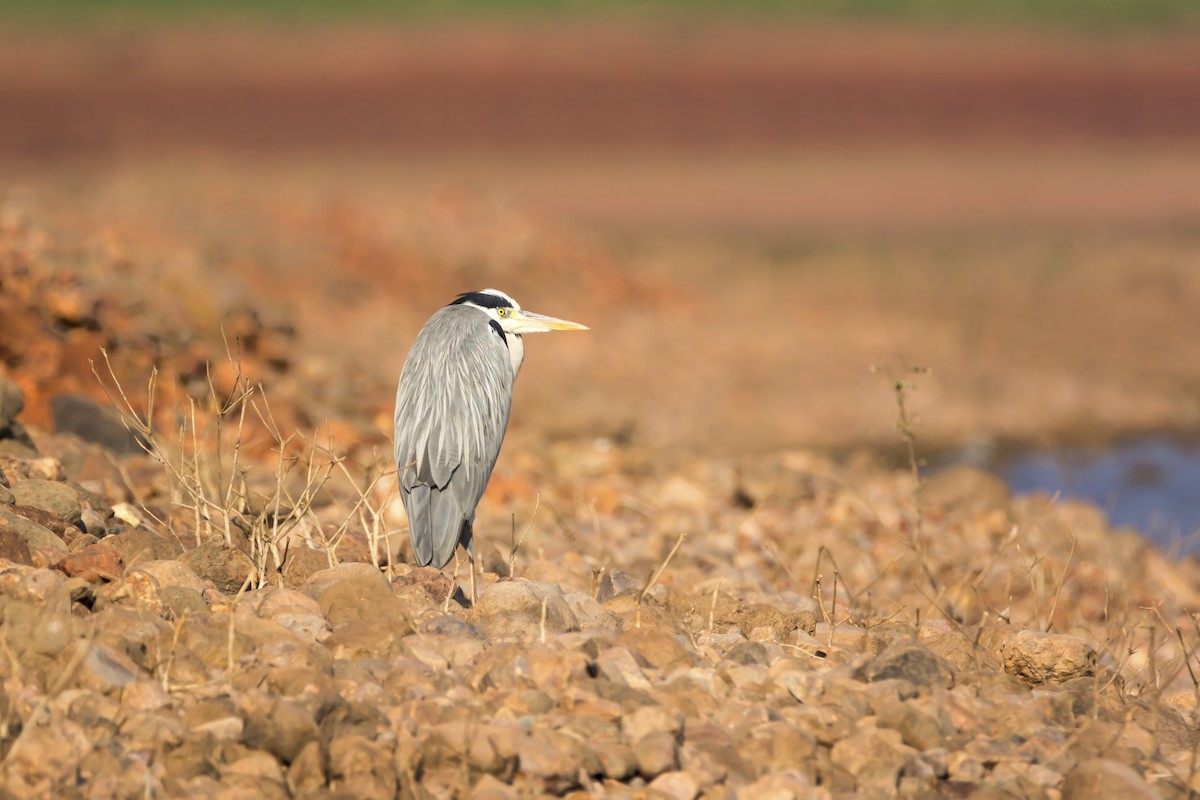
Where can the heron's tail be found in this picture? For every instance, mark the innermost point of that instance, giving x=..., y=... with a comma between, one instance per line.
x=420, y=524
x=435, y=525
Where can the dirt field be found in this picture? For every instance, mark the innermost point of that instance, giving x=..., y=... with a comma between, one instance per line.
x=749, y=218
x=681, y=595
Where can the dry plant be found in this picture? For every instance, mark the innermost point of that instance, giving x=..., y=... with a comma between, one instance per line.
x=901, y=387
x=205, y=461
x=654, y=576
x=516, y=543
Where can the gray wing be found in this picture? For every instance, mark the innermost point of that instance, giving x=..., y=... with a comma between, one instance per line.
x=451, y=412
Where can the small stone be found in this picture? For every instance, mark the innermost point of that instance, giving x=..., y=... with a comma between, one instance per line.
x=130, y=514
x=779, y=786
x=591, y=615
x=56, y=498
x=617, y=759
x=910, y=661
x=169, y=572
x=526, y=599
x=613, y=583
x=490, y=788
x=306, y=774
x=283, y=730
x=104, y=669
x=12, y=401
x=94, y=563
x=650, y=719
x=227, y=567
x=1102, y=779
x=355, y=592
x=13, y=547
x=917, y=728
x=874, y=757
x=182, y=602
x=487, y=748
x=137, y=589
x=676, y=785
x=138, y=545
x=617, y=664
x=296, y=612
x=548, y=757
x=36, y=536
x=1041, y=658
x=656, y=753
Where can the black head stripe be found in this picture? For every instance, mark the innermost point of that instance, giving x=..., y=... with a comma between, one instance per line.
x=499, y=331
x=483, y=299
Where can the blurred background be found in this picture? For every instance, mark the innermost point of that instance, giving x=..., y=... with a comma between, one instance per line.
x=768, y=212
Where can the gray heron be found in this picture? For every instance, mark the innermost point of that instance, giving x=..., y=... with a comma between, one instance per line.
x=452, y=409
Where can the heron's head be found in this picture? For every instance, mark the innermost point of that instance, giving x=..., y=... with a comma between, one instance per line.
x=509, y=315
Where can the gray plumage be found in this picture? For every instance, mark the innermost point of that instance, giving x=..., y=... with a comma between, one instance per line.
x=452, y=408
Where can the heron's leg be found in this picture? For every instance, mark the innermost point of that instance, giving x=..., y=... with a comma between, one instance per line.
x=469, y=542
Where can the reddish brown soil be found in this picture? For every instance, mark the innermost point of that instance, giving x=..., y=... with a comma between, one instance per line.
x=778, y=210
x=586, y=86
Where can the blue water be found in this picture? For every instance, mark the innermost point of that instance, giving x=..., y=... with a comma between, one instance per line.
x=1152, y=484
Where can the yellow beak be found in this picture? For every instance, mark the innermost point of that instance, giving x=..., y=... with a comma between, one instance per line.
x=528, y=322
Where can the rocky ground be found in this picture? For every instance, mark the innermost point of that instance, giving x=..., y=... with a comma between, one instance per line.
x=206, y=600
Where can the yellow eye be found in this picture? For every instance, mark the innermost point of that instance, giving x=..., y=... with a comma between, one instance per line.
x=503, y=312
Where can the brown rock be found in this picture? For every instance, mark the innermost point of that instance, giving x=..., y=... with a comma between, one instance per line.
x=361, y=768
x=650, y=719
x=490, y=788
x=358, y=593
x=617, y=759
x=227, y=567
x=94, y=563
x=49, y=754
x=13, y=547
x=656, y=649
x=138, y=545
x=676, y=785
x=1039, y=658
x=874, y=757
x=297, y=612
x=656, y=753
x=778, y=746
x=431, y=582
x=548, y=758
x=179, y=602
x=306, y=774
x=301, y=563
x=525, y=600
x=37, y=537
x=52, y=497
x=137, y=589
x=47, y=469
x=918, y=729
x=779, y=786
x=283, y=729
x=100, y=668
x=485, y=748
x=613, y=583
x=909, y=661
x=170, y=572
x=1101, y=779
x=618, y=665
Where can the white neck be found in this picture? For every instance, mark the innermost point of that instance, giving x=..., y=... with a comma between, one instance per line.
x=516, y=351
